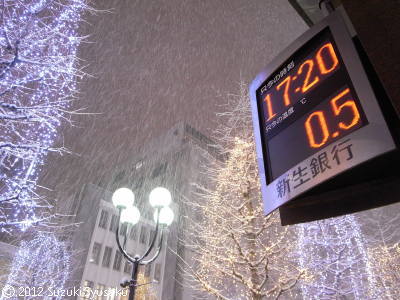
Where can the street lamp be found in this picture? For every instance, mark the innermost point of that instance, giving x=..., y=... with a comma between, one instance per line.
x=123, y=199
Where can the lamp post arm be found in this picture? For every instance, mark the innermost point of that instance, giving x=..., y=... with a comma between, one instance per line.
x=157, y=252
x=126, y=255
x=154, y=237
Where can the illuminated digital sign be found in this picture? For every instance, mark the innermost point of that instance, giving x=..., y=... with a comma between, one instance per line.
x=315, y=115
x=307, y=105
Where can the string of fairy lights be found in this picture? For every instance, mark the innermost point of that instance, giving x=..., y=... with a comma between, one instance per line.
x=38, y=81
x=40, y=269
x=337, y=259
x=231, y=241
x=239, y=253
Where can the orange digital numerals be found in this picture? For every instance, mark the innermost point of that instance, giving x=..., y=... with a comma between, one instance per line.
x=350, y=104
x=321, y=64
x=286, y=82
x=310, y=80
x=307, y=84
x=320, y=117
x=324, y=127
x=267, y=100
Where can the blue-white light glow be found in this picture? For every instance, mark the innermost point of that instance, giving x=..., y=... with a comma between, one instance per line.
x=38, y=81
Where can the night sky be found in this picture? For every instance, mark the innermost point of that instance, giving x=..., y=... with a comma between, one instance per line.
x=155, y=63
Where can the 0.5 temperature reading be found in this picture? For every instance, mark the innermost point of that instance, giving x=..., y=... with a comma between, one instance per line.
x=332, y=119
x=316, y=125
x=307, y=75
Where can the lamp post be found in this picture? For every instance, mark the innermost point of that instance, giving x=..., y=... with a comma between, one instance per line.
x=123, y=199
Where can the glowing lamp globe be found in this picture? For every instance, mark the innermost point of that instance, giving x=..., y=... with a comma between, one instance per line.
x=160, y=197
x=130, y=215
x=166, y=216
x=123, y=197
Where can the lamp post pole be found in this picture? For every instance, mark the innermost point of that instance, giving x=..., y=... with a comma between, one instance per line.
x=123, y=199
x=133, y=283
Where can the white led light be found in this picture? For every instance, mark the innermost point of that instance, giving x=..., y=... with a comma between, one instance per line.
x=166, y=216
x=123, y=197
x=130, y=215
x=160, y=197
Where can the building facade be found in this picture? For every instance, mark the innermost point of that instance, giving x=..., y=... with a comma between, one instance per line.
x=171, y=161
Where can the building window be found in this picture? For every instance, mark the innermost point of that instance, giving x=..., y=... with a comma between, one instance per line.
x=100, y=292
x=145, y=214
x=139, y=183
x=133, y=233
x=114, y=223
x=103, y=219
x=123, y=229
x=117, y=261
x=147, y=270
x=95, y=253
x=143, y=235
x=157, y=272
x=119, y=176
x=128, y=267
x=106, y=257
x=148, y=215
x=152, y=233
x=159, y=170
x=87, y=289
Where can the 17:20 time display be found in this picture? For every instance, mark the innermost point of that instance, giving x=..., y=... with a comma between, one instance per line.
x=307, y=75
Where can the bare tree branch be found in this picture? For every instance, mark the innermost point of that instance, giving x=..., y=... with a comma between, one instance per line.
x=232, y=251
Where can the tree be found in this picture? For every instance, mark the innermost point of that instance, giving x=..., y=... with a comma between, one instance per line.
x=385, y=263
x=38, y=80
x=144, y=289
x=40, y=269
x=232, y=251
x=381, y=231
x=334, y=251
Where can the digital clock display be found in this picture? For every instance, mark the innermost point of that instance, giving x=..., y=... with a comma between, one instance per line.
x=318, y=124
x=306, y=104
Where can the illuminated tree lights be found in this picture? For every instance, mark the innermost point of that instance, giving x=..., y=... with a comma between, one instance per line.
x=384, y=251
x=40, y=269
x=385, y=262
x=38, y=81
x=335, y=254
x=232, y=250
x=144, y=289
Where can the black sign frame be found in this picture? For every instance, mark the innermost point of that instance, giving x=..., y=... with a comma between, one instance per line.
x=372, y=140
